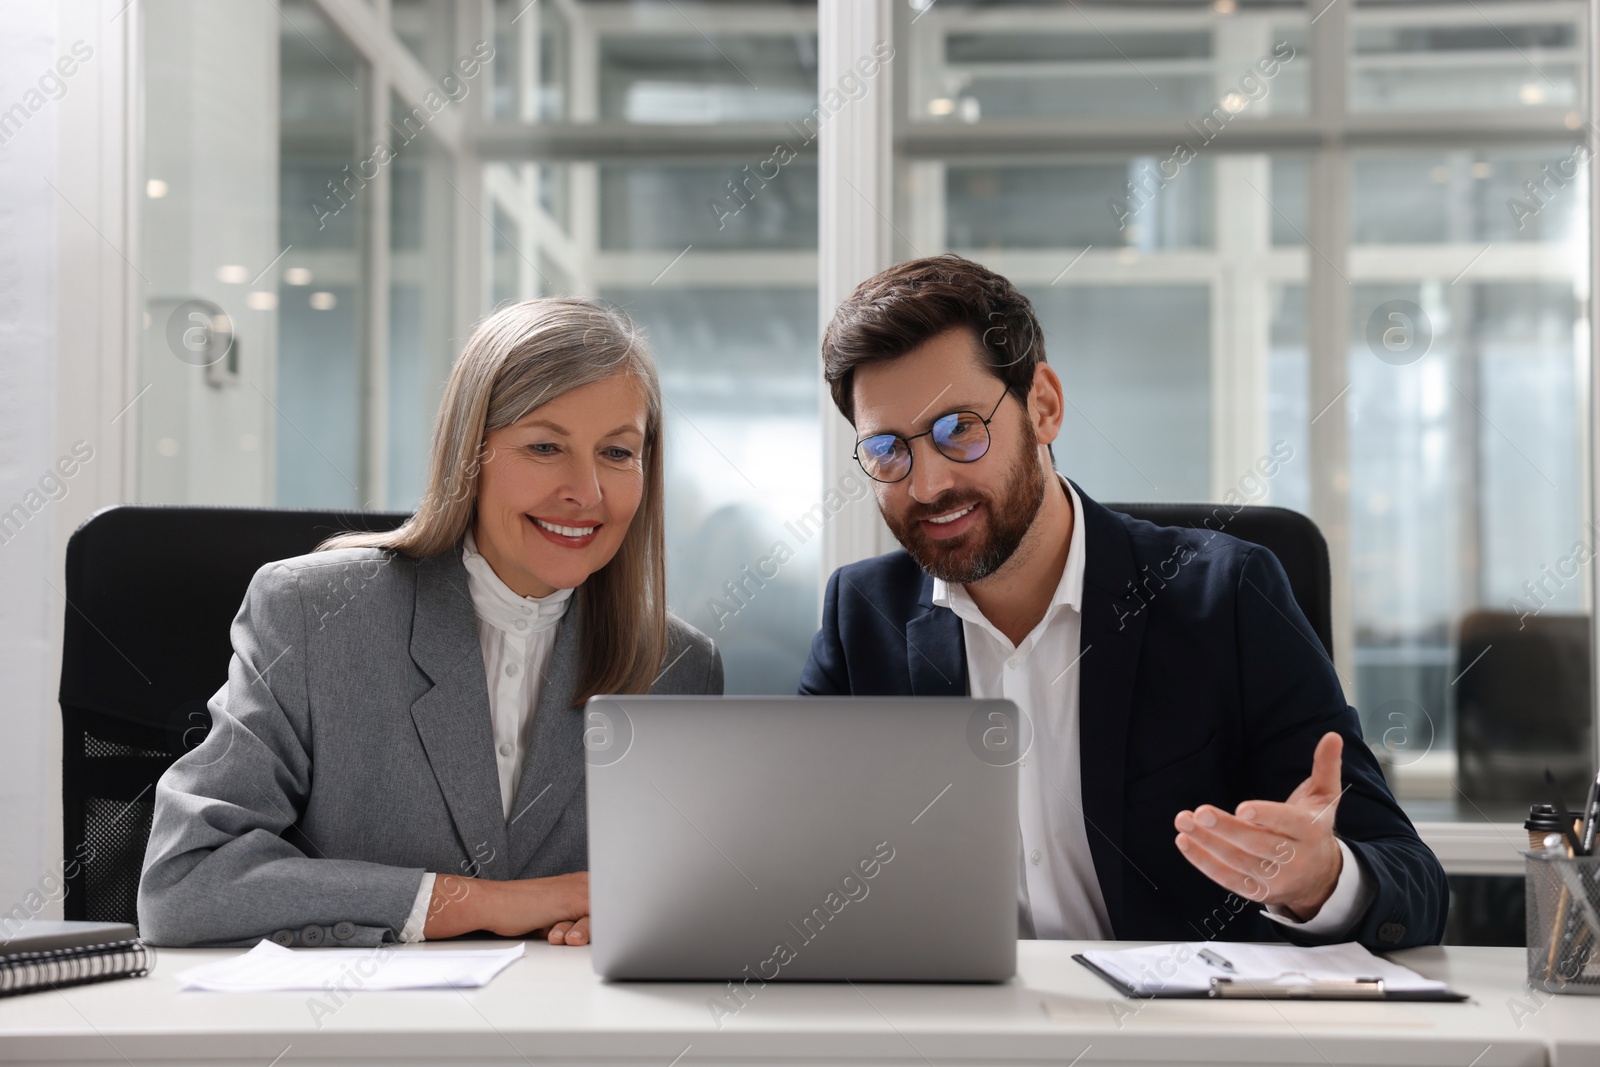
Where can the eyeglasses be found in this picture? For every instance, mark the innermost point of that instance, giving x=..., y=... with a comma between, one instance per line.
x=962, y=436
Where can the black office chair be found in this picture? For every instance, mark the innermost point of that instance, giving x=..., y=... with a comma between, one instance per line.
x=1289, y=535
x=151, y=593
x=1522, y=705
x=153, y=589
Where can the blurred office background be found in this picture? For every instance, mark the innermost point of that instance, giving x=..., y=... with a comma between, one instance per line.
x=1368, y=275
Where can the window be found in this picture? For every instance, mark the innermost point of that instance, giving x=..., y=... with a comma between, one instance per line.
x=252, y=320
x=1438, y=435
x=714, y=255
x=1352, y=234
x=338, y=240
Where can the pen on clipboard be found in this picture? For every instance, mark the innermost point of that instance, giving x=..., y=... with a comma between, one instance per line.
x=1216, y=961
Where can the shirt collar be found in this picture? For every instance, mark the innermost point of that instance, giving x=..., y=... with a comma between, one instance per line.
x=497, y=605
x=1069, y=590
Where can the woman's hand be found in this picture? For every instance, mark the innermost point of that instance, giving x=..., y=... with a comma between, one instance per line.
x=559, y=905
x=570, y=933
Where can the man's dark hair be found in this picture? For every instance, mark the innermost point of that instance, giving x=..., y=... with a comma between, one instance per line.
x=893, y=312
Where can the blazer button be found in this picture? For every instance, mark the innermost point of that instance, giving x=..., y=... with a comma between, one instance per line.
x=283, y=937
x=344, y=930
x=1391, y=932
x=311, y=936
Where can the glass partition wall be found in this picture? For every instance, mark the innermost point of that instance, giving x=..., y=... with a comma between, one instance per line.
x=666, y=111
x=1345, y=243
x=338, y=216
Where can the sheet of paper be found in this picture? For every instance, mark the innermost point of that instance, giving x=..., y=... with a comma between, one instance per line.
x=1179, y=967
x=269, y=967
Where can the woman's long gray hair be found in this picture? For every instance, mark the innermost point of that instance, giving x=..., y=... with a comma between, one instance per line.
x=519, y=358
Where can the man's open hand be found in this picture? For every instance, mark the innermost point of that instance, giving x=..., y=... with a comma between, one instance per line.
x=1281, y=854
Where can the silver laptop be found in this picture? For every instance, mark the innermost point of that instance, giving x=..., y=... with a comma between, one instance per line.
x=775, y=838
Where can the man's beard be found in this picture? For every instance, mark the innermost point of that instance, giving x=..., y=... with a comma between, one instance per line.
x=972, y=556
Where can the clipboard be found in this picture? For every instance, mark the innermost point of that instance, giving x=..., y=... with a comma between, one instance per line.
x=1232, y=989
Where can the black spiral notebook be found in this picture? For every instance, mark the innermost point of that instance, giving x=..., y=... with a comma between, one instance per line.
x=41, y=954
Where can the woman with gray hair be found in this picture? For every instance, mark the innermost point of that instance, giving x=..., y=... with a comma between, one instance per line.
x=398, y=752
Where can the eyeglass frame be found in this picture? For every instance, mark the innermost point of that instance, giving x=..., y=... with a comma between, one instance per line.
x=911, y=454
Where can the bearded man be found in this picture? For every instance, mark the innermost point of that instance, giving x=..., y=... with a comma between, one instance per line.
x=1194, y=770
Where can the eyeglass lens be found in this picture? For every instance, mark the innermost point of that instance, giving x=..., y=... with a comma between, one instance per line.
x=960, y=436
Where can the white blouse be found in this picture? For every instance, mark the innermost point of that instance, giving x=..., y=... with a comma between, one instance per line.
x=517, y=634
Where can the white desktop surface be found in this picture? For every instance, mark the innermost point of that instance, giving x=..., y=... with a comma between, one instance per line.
x=550, y=1007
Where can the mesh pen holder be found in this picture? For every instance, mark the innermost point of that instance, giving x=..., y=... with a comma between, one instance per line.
x=1563, y=898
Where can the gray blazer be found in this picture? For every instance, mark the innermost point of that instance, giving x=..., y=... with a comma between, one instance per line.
x=351, y=752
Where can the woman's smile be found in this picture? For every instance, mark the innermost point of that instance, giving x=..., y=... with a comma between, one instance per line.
x=571, y=534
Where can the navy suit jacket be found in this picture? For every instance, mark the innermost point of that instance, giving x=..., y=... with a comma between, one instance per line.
x=1200, y=682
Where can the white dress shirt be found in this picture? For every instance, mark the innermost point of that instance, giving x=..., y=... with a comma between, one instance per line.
x=1058, y=893
x=517, y=634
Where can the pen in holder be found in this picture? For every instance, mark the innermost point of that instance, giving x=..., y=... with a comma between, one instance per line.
x=1563, y=899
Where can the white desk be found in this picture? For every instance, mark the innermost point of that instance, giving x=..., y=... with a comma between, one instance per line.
x=550, y=1008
